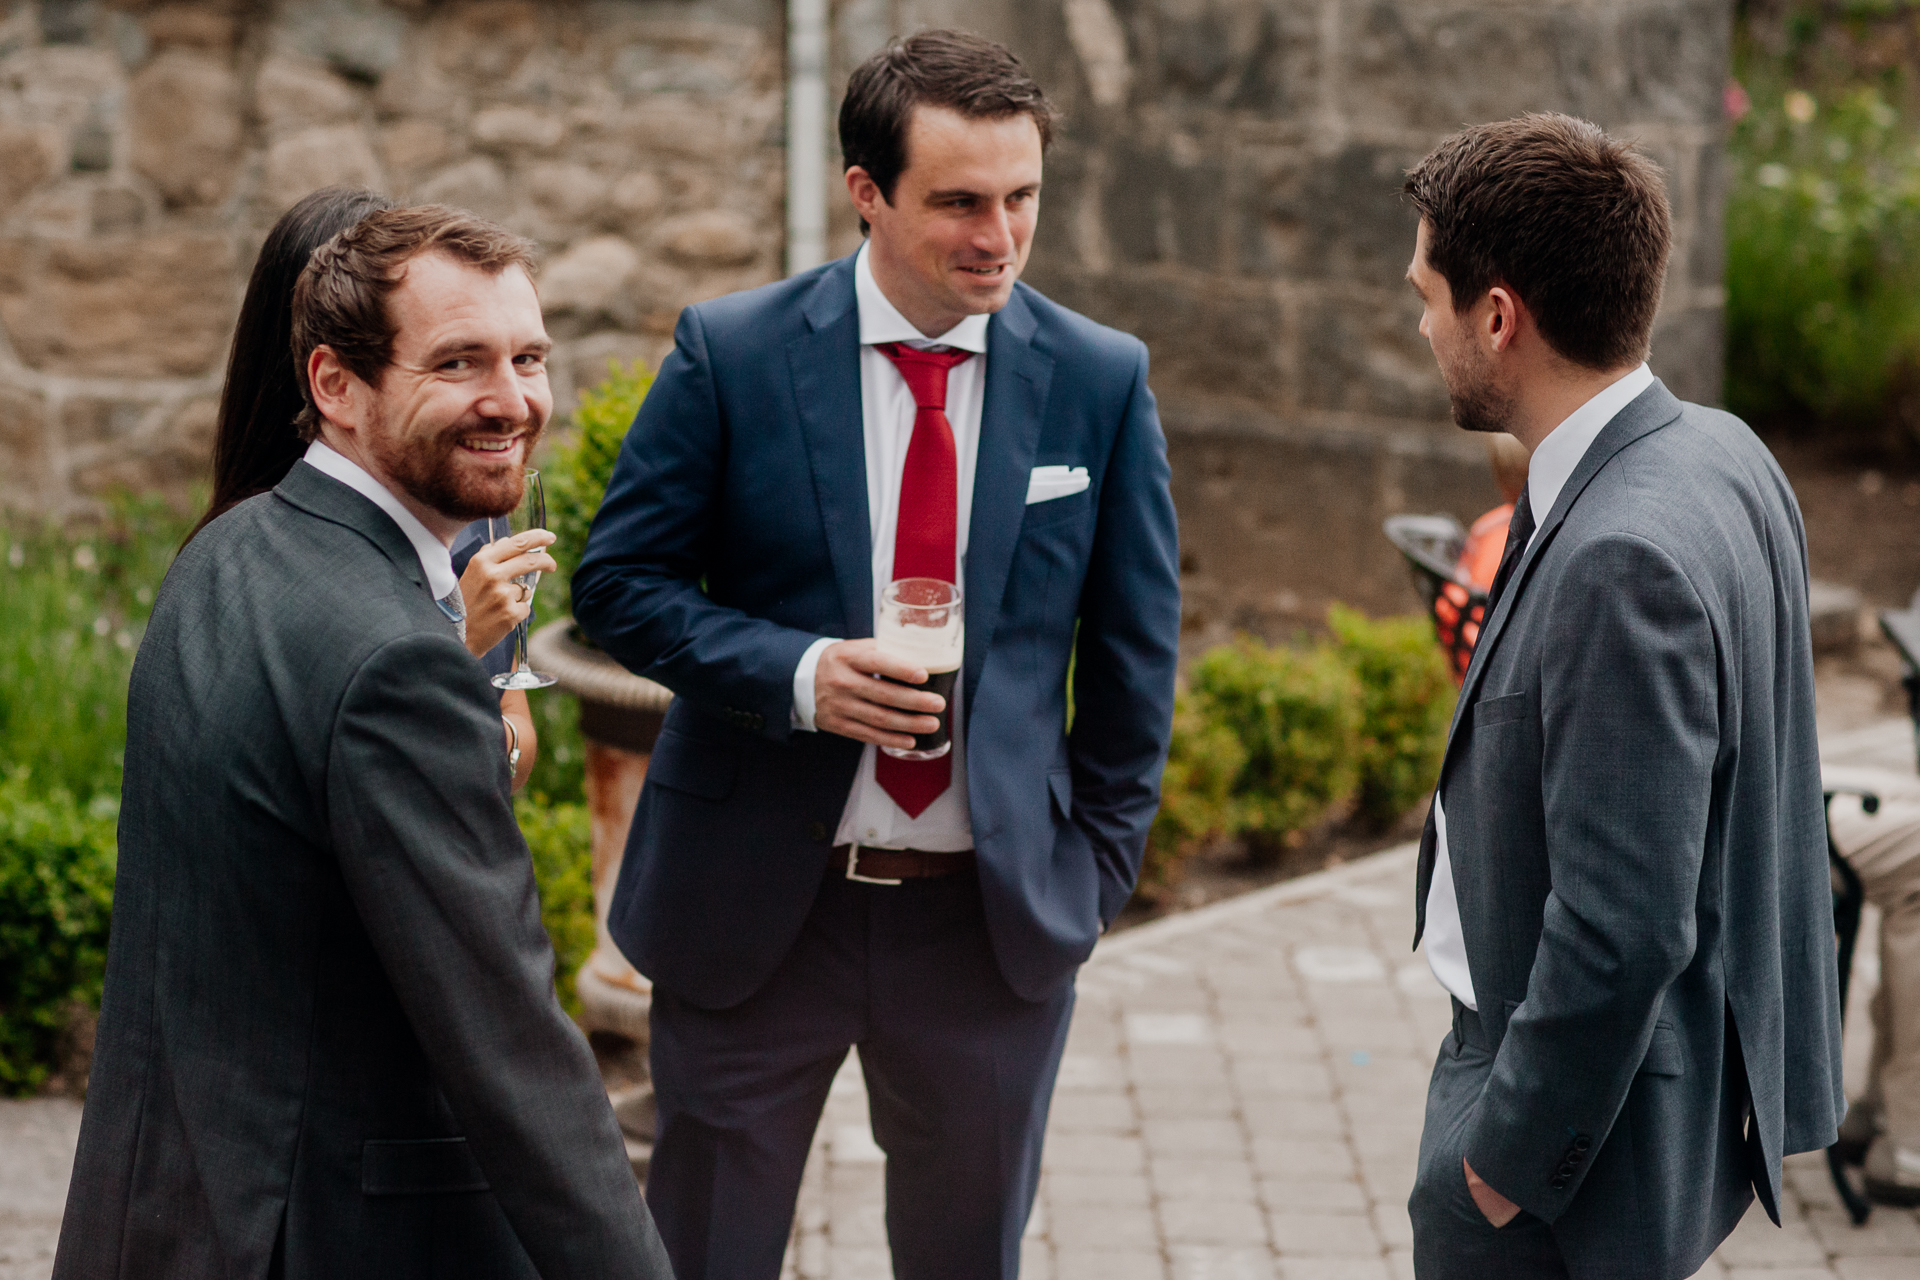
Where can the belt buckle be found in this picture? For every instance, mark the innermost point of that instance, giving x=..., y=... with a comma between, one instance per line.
x=853, y=868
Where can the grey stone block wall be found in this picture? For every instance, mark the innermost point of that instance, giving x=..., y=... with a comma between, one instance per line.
x=1227, y=187
x=146, y=146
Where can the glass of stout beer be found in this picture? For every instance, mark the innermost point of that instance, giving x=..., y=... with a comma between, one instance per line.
x=919, y=622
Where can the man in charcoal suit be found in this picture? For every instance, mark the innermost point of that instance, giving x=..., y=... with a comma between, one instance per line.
x=1623, y=881
x=907, y=412
x=330, y=1044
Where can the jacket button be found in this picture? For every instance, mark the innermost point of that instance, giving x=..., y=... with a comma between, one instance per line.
x=817, y=832
x=1559, y=1183
x=1582, y=1142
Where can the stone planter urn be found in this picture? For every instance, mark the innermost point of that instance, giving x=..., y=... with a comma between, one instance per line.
x=620, y=717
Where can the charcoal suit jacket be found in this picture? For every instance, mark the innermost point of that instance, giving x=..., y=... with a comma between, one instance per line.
x=1634, y=820
x=735, y=532
x=329, y=1044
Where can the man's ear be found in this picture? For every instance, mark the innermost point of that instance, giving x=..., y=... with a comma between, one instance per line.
x=331, y=384
x=1502, y=320
x=866, y=193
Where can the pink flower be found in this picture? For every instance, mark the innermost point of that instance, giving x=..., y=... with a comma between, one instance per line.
x=1736, y=102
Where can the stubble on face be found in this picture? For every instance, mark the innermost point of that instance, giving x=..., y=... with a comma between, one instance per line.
x=431, y=470
x=1477, y=401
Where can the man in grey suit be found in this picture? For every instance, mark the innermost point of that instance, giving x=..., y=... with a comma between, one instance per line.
x=1623, y=880
x=330, y=1044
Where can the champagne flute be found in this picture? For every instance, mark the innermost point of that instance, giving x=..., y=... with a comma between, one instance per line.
x=530, y=514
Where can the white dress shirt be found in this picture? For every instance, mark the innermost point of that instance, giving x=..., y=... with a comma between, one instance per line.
x=887, y=411
x=435, y=560
x=1548, y=471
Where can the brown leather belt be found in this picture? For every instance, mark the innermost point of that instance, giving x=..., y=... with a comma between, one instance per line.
x=891, y=866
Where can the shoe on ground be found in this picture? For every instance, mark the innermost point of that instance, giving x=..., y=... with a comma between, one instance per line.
x=1857, y=1132
x=1893, y=1172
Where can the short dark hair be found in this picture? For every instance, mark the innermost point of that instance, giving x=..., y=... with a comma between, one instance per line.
x=340, y=300
x=954, y=69
x=1575, y=222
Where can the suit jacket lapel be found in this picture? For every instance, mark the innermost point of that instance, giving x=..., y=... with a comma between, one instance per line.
x=825, y=365
x=315, y=492
x=1649, y=411
x=1019, y=374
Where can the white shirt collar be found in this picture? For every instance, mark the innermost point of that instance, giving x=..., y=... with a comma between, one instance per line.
x=881, y=321
x=1555, y=458
x=435, y=559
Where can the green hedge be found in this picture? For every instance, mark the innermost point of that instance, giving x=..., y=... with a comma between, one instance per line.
x=1271, y=740
x=1823, y=263
x=560, y=838
x=56, y=893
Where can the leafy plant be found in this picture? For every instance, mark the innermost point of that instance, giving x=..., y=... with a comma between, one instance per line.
x=1406, y=702
x=76, y=607
x=56, y=895
x=1823, y=259
x=1204, y=762
x=576, y=476
x=1297, y=715
x=560, y=838
x=576, y=480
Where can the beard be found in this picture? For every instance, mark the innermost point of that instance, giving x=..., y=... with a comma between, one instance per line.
x=436, y=472
x=1477, y=403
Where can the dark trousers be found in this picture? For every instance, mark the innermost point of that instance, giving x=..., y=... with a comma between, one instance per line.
x=959, y=1073
x=1452, y=1239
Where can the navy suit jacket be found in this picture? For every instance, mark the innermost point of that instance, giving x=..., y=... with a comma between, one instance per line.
x=735, y=532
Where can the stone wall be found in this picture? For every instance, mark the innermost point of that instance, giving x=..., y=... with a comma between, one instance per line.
x=145, y=149
x=1226, y=187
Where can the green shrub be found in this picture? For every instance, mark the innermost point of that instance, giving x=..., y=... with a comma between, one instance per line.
x=560, y=838
x=1297, y=716
x=576, y=479
x=1204, y=761
x=56, y=892
x=1823, y=259
x=76, y=607
x=577, y=474
x=1406, y=703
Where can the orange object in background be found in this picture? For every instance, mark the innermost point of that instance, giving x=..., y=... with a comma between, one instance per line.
x=1456, y=615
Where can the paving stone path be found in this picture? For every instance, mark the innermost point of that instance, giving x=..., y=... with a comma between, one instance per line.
x=1241, y=1100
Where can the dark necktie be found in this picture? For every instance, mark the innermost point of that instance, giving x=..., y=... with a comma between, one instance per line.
x=1519, y=531
x=926, y=537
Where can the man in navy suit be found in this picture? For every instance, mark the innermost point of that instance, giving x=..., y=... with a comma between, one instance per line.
x=790, y=889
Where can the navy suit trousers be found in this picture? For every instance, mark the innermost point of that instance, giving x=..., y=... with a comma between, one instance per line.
x=959, y=1073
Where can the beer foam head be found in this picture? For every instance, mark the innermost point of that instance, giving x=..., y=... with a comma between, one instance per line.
x=935, y=648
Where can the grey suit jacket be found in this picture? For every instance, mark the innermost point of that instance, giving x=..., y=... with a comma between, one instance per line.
x=1634, y=820
x=329, y=1031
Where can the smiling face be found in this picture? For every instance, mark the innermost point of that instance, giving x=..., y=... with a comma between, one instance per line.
x=955, y=236
x=463, y=400
x=1479, y=403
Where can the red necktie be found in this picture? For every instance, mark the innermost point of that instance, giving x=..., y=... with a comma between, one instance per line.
x=926, y=537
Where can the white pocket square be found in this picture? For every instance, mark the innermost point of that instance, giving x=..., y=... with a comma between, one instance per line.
x=1048, y=483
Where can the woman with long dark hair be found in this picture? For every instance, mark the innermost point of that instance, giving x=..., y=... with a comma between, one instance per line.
x=255, y=444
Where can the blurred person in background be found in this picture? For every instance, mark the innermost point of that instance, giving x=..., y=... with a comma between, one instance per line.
x=1623, y=880
x=255, y=444
x=1457, y=616
x=1882, y=1128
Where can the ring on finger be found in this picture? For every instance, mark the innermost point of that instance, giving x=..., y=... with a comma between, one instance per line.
x=526, y=592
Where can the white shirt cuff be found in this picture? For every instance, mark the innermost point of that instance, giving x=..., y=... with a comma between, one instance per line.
x=803, y=683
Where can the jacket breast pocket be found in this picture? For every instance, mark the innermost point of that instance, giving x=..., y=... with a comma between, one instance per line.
x=1041, y=515
x=1504, y=709
x=419, y=1167
x=689, y=765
